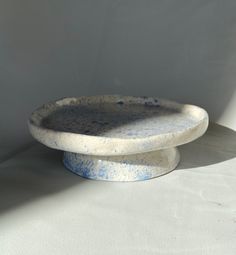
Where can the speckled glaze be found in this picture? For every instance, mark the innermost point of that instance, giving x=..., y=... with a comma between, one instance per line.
x=134, y=167
x=118, y=138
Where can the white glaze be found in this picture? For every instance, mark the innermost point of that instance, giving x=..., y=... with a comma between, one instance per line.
x=106, y=128
x=113, y=145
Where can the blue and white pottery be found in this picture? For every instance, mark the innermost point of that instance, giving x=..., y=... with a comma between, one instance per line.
x=118, y=138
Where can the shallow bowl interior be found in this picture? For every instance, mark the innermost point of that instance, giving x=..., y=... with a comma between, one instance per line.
x=116, y=125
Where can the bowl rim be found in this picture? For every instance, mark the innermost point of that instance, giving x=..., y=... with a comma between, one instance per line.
x=111, y=146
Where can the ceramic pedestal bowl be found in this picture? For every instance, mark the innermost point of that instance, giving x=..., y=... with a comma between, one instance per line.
x=118, y=138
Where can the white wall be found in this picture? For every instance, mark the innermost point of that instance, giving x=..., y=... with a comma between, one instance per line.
x=182, y=50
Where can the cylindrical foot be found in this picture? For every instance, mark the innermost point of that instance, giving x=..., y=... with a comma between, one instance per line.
x=123, y=168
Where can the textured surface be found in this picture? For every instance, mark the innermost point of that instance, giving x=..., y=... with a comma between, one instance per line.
x=137, y=167
x=116, y=125
x=44, y=209
x=120, y=119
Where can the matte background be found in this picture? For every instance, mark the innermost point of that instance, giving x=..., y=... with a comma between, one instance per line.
x=181, y=50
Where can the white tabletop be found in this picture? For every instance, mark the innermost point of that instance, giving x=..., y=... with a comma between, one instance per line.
x=45, y=209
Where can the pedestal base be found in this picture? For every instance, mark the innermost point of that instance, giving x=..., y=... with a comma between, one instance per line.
x=123, y=168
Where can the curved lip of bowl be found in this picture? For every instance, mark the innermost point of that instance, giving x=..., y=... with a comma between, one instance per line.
x=109, y=146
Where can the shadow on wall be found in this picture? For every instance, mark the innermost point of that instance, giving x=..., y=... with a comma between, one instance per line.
x=182, y=50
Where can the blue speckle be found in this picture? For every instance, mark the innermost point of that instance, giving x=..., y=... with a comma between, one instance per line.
x=144, y=176
x=103, y=173
x=82, y=168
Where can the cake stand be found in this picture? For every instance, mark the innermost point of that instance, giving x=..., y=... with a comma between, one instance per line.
x=118, y=138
